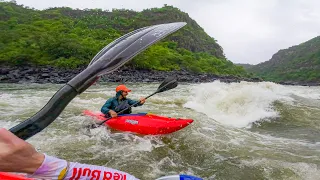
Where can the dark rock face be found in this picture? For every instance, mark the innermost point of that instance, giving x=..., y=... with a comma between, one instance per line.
x=125, y=74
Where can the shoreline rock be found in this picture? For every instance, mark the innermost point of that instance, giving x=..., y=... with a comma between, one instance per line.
x=30, y=74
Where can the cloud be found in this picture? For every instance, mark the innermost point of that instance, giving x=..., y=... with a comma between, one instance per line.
x=249, y=31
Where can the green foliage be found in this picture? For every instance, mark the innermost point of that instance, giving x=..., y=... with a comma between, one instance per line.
x=297, y=63
x=69, y=38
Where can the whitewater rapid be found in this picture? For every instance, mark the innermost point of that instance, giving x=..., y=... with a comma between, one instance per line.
x=241, y=104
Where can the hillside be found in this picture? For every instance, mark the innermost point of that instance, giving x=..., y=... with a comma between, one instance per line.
x=69, y=38
x=300, y=63
x=245, y=66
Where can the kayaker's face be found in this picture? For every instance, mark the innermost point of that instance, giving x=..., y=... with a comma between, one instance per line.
x=124, y=94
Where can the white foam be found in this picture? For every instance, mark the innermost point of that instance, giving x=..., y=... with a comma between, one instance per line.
x=306, y=92
x=237, y=104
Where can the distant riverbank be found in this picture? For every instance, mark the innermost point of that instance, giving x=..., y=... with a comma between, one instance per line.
x=59, y=76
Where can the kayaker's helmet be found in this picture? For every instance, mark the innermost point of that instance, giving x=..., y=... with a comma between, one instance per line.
x=122, y=88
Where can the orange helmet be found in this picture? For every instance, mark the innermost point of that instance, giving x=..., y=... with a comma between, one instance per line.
x=122, y=88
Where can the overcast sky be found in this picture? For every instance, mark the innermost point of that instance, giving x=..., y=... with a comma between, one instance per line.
x=250, y=31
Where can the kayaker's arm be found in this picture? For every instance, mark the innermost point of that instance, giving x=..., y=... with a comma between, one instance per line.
x=134, y=103
x=107, y=106
x=17, y=155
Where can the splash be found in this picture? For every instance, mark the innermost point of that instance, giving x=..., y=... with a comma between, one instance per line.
x=237, y=104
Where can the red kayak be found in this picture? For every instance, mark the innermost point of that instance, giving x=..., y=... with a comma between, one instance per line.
x=144, y=123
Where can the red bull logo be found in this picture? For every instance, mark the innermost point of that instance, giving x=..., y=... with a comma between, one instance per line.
x=86, y=173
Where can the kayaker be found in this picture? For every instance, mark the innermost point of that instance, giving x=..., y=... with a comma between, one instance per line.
x=120, y=102
x=16, y=155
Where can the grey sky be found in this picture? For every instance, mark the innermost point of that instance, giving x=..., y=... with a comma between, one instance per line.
x=250, y=31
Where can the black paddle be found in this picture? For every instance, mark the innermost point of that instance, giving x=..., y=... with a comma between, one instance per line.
x=167, y=84
x=109, y=59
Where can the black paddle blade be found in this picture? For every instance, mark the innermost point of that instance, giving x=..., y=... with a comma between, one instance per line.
x=112, y=44
x=121, y=51
x=133, y=43
x=167, y=84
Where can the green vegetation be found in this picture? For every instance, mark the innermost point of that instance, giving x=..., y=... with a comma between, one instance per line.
x=299, y=63
x=69, y=38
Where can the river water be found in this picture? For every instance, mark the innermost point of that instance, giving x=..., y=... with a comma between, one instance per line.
x=240, y=130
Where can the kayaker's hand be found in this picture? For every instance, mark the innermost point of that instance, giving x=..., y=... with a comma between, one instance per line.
x=142, y=100
x=113, y=113
x=16, y=155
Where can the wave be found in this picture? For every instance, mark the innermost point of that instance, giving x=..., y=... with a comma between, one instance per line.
x=238, y=104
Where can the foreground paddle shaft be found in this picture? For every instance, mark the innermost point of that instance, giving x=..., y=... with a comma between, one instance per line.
x=46, y=115
x=106, y=61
